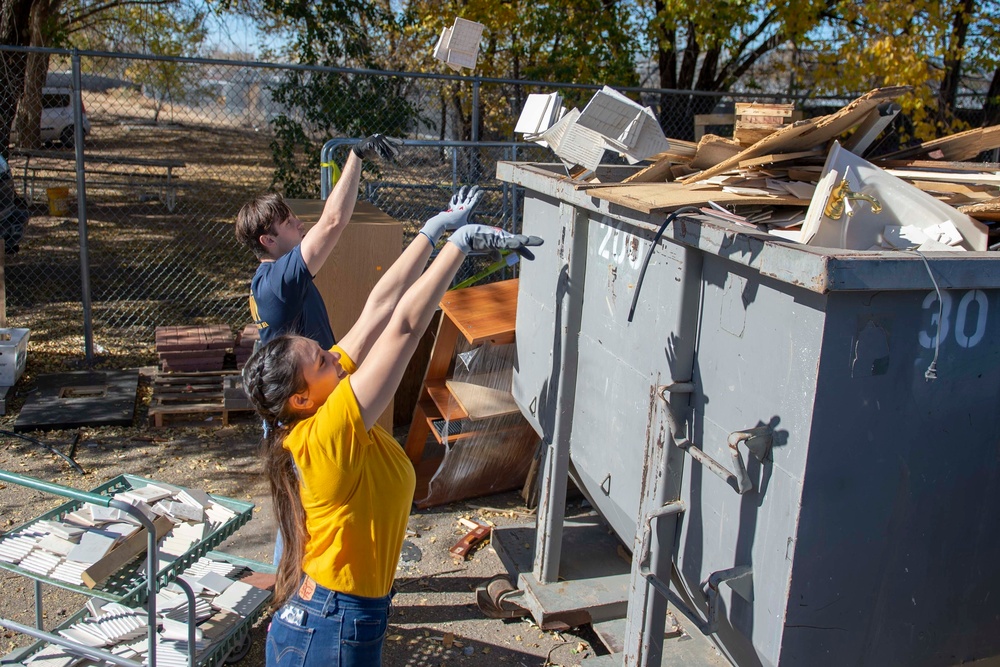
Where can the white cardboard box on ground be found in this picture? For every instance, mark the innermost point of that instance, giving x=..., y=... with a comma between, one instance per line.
x=13, y=355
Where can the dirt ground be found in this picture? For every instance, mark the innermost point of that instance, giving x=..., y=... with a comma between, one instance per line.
x=436, y=599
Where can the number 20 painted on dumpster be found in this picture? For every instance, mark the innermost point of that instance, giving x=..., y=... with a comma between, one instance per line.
x=962, y=324
x=630, y=244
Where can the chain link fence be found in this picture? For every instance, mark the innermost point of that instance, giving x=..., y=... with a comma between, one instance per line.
x=133, y=169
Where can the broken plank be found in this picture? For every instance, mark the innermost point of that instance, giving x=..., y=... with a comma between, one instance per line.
x=950, y=177
x=986, y=210
x=658, y=197
x=959, y=146
x=764, y=109
x=779, y=157
x=807, y=134
x=658, y=171
x=942, y=165
x=713, y=149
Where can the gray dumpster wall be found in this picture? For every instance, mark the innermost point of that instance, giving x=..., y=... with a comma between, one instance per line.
x=870, y=527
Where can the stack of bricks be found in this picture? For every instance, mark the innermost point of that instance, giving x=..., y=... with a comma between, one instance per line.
x=245, y=341
x=193, y=349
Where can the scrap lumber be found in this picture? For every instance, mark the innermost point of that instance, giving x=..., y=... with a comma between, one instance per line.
x=124, y=553
x=950, y=177
x=807, y=134
x=469, y=541
x=956, y=147
x=986, y=210
x=713, y=149
x=779, y=157
x=658, y=197
x=936, y=165
x=756, y=120
x=680, y=151
x=709, y=150
x=659, y=171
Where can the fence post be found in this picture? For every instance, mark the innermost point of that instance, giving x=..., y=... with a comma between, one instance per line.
x=81, y=208
x=475, y=109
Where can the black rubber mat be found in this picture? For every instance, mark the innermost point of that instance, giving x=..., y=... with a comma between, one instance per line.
x=83, y=398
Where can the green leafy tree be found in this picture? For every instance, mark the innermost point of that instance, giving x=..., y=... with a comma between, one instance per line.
x=584, y=41
x=709, y=47
x=933, y=45
x=320, y=105
x=125, y=25
x=166, y=33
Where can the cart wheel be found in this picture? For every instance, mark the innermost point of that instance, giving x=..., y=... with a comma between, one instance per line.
x=239, y=651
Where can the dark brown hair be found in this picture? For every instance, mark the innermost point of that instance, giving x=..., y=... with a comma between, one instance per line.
x=258, y=217
x=271, y=377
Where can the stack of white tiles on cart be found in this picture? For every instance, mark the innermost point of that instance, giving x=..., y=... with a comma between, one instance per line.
x=221, y=603
x=65, y=549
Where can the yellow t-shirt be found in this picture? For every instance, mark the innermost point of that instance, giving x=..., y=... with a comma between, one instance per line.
x=356, y=488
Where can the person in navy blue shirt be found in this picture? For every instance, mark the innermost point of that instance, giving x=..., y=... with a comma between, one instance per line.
x=283, y=298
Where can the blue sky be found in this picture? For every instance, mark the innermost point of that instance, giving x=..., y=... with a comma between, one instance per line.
x=234, y=33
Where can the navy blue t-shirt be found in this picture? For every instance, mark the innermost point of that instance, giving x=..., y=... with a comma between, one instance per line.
x=283, y=299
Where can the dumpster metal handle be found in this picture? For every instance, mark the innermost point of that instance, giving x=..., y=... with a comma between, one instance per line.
x=739, y=578
x=758, y=441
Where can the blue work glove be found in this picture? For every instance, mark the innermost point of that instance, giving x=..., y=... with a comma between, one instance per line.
x=378, y=146
x=491, y=240
x=460, y=210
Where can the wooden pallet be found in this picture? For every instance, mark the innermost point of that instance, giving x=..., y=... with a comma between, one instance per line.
x=179, y=397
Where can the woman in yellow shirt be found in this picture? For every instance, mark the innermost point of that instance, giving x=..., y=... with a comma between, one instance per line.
x=342, y=487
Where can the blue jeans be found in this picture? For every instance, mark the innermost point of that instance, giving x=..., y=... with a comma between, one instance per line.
x=330, y=630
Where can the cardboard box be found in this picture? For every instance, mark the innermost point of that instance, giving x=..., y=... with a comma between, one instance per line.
x=371, y=242
x=13, y=355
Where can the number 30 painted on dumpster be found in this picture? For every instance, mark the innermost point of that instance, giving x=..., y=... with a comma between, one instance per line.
x=962, y=325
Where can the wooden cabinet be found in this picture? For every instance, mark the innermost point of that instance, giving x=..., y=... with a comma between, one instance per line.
x=504, y=441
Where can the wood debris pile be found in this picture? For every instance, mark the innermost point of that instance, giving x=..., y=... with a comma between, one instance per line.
x=797, y=181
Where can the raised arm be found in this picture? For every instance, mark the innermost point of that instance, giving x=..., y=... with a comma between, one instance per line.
x=403, y=272
x=377, y=379
x=321, y=239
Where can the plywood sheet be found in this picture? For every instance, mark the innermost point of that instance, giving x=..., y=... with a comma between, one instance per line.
x=657, y=197
x=807, y=134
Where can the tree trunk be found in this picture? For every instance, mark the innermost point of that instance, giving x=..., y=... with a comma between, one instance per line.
x=14, y=31
x=29, y=112
x=953, y=65
x=991, y=110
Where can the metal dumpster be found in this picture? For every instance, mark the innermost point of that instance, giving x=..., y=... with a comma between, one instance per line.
x=805, y=441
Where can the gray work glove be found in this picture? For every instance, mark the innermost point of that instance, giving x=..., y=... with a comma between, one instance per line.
x=460, y=211
x=491, y=240
x=378, y=146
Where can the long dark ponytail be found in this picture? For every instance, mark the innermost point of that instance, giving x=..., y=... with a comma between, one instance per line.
x=270, y=377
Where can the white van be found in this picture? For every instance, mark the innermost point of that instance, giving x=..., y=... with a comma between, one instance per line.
x=57, y=117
